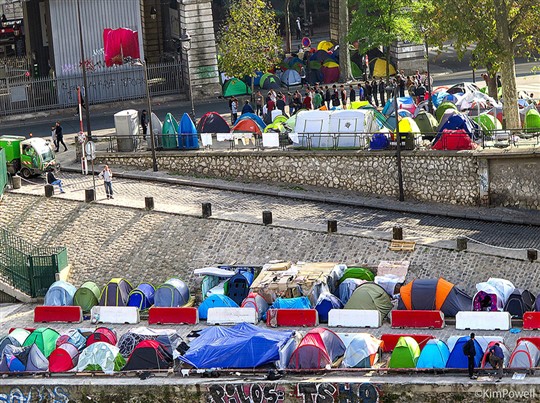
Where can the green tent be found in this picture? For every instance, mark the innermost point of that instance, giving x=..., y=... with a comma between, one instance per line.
x=170, y=130
x=275, y=127
x=370, y=296
x=44, y=338
x=442, y=108
x=315, y=65
x=87, y=296
x=405, y=354
x=356, y=70
x=234, y=86
x=427, y=124
x=488, y=123
x=359, y=273
x=532, y=121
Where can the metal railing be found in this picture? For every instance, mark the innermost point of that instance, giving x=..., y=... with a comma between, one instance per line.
x=28, y=268
x=20, y=93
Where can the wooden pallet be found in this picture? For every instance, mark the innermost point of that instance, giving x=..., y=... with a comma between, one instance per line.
x=402, y=245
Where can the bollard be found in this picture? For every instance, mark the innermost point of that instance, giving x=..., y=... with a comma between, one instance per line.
x=267, y=217
x=461, y=243
x=89, y=195
x=397, y=233
x=49, y=190
x=206, y=210
x=149, y=203
x=332, y=226
x=532, y=255
x=16, y=181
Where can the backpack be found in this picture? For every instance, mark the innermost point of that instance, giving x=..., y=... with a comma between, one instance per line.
x=467, y=348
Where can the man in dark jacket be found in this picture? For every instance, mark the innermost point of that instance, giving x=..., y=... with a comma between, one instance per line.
x=247, y=107
x=469, y=349
x=327, y=97
x=496, y=359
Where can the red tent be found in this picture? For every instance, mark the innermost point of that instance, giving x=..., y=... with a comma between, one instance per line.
x=319, y=347
x=213, y=122
x=103, y=334
x=149, y=354
x=63, y=358
x=454, y=140
x=247, y=125
x=330, y=74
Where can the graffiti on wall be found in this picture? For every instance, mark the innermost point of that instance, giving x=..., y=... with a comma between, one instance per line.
x=242, y=393
x=36, y=394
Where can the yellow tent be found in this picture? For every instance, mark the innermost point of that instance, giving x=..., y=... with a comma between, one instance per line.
x=379, y=68
x=408, y=125
x=330, y=64
x=359, y=104
x=325, y=45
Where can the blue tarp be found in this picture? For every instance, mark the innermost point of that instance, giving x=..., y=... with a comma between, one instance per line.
x=241, y=346
x=215, y=301
x=290, y=303
x=458, y=360
x=434, y=355
x=326, y=302
x=60, y=293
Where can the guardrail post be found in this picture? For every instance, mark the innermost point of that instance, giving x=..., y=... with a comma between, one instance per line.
x=397, y=233
x=267, y=217
x=331, y=226
x=206, y=210
x=532, y=255
x=149, y=203
x=461, y=243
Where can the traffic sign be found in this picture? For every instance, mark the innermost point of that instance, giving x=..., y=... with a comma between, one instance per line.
x=90, y=149
x=81, y=137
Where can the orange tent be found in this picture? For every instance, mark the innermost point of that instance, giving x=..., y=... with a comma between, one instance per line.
x=247, y=125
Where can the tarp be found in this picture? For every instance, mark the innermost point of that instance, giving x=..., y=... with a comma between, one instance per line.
x=370, y=296
x=63, y=358
x=405, y=354
x=325, y=303
x=429, y=294
x=142, y=297
x=234, y=87
x=101, y=357
x=87, y=296
x=362, y=351
x=215, y=301
x=434, y=355
x=44, y=338
x=519, y=302
x=212, y=122
x=525, y=355
x=149, y=354
x=254, y=300
x=60, y=293
x=457, y=359
x=241, y=346
x=173, y=293
x=115, y=293
x=319, y=347
x=168, y=338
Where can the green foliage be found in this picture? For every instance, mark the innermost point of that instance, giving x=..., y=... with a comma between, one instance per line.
x=249, y=40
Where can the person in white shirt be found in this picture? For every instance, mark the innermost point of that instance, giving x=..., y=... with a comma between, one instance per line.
x=107, y=175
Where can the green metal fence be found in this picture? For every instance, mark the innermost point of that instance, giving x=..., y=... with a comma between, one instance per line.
x=3, y=171
x=28, y=268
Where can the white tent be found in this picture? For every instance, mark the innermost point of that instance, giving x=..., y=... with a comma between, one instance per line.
x=102, y=356
x=525, y=355
x=352, y=126
x=312, y=128
x=362, y=351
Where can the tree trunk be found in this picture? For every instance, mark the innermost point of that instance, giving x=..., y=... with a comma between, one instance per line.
x=345, y=73
x=288, y=37
x=493, y=91
x=387, y=65
x=509, y=93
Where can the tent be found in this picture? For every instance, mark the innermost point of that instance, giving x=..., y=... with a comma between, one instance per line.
x=215, y=301
x=102, y=335
x=488, y=123
x=408, y=125
x=485, y=358
x=234, y=86
x=23, y=359
x=20, y=335
x=101, y=357
x=378, y=68
x=270, y=81
x=142, y=297
x=362, y=351
x=291, y=303
x=347, y=287
x=247, y=125
x=311, y=125
x=64, y=358
x=519, y=302
x=525, y=355
x=325, y=303
x=238, y=287
x=351, y=126
x=44, y=338
x=228, y=347
x=429, y=294
x=325, y=45
x=458, y=121
x=458, y=360
x=168, y=338
x=463, y=88
x=356, y=70
x=439, y=112
x=487, y=301
x=115, y=293
x=60, y=293
x=173, y=293
x=254, y=300
x=359, y=273
x=427, y=124
x=319, y=347
x=453, y=140
x=87, y=296
x=73, y=337
x=321, y=56
x=330, y=72
x=188, y=138
x=434, y=355
x=290, y=78
x=212, y=122
x=405, y=354
x=253, y=117
x=532, y=121
x=149, y=354
x=8, y=340
x=169, y=130
x=370, y=296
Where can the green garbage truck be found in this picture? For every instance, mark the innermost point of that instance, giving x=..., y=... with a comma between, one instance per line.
x=29, y=157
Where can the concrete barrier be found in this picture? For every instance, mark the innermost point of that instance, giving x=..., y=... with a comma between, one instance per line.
x=484, y=320
x=354, y=318
x=231, y=316
x=115, y=314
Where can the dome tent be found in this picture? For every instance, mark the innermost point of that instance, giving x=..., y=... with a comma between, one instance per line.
x=434, y=355
x=370, y=296
x=104, y=335
x=23, y=359
x=254, y=300
x=457, y=359
x=60, y=293
x=173, y=293
x=44, y=338
x=405, y=354
x=142, y=297
x=149, y=354
x=234, y=86
x=270, y=81
x=74, y=337
x=101, y=357
x=319, y=347
x=214, y=301
x=115, y=293
x=87, y=296
x=63, y=358
x=188, y=138
x=213, y=122
x=362, y=351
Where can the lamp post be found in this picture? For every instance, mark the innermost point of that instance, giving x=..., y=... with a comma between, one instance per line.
x=430, y=102
x=85, y=83
x=185, y=38
x=394, y=89
x=149, y=106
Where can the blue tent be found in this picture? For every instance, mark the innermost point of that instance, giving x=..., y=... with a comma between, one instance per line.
x=215, y=301
x=172, y=293
x=290, y=303
x=326, y=302
x=254, y=117
x=458, y=121
x=60, y=293
x=188, y=139
x=434, y=355
x=458, y=360
x=241, y=346
x=238, y=286
x=290, y=77
x=142, y=297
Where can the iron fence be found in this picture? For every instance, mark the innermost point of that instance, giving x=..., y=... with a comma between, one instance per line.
x=20, y=93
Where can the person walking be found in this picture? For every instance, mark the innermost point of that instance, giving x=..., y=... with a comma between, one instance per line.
x=144, y=123
x=107, y=175
x=469, y=349
x=259, y=102
x=496, y=359
x=298, y=26
x=59, y=137
x=234, y=110
x=52, y=180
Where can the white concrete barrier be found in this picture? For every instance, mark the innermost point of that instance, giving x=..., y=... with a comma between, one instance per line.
x=115, y=314
x=483, y=320
x=231, y=316
x=354, y=318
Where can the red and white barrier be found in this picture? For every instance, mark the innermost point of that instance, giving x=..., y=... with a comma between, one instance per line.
x=173, y=316
x=62, y=314
x=354, y=318
x=418, y=319
x=531, y=320
x=292, y=317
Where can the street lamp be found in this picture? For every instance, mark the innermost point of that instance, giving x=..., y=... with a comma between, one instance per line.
x=430, y=102
x=394, y=89
x=185, y=38
x=85, y=83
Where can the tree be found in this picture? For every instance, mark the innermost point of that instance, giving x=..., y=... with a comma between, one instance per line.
x=249, y=40
x=344, y=56
x=383, y=22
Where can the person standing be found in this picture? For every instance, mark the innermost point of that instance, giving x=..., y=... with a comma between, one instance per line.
x=144, y=123
x=361, y=92
x=259, y=101
x=234, y=110
x=352, y=94
x=382, y=89
x=496, y=359
x=469, y=349
x=343, y=95
x=374, y=90
x=298, y=26
x=306, y=103
x=327, y=97
x=368, y=92
x=59, y=137
x=317, y=100
x=107, y=175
